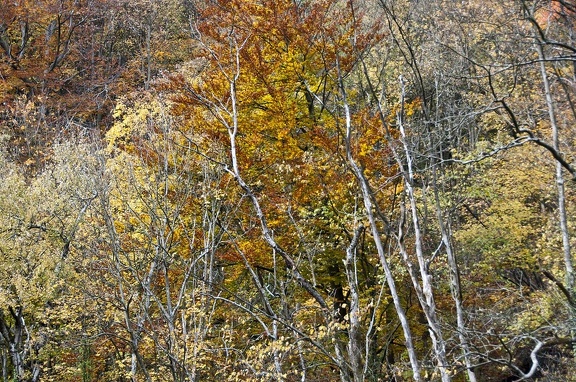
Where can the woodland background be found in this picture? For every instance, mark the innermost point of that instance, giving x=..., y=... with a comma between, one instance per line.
x=287, y=190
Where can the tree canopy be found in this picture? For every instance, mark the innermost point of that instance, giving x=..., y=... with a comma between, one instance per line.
x=291, y=190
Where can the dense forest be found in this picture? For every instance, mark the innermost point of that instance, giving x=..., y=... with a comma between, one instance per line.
x=287, y=190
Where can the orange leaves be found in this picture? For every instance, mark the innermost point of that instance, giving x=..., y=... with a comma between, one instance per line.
x=557, y=10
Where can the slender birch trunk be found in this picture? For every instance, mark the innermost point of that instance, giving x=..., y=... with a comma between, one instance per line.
x=369, y=208
x=423, y=287
x=455, y=287
x=568, y=263
x=354, y=349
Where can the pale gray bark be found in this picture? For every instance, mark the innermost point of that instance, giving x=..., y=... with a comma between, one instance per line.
x=455, y=287
x=16, y=339
x=562, y=217
x=423, y=287
x=354, y=344
x=369, y=208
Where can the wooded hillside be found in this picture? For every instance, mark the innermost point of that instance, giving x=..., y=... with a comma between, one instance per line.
x=287, y=190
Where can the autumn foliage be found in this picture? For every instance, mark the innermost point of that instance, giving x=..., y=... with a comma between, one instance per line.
x=287, y=190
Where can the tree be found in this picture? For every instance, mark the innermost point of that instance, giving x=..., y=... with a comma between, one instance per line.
x=41, y=220
x=276, y=190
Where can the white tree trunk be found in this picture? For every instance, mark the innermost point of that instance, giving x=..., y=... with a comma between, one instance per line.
x=568, y=264
x=368, y=206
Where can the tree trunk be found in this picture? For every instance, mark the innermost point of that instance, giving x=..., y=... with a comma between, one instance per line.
x=568, y=264
x=16, y=340
x=455, y=287
x=368, y=206
x=423, y=287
